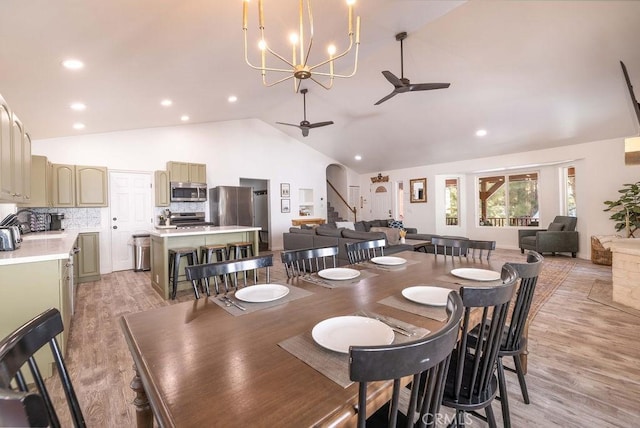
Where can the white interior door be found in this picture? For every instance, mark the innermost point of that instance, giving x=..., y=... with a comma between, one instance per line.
x=130, y=196
x=381, y=197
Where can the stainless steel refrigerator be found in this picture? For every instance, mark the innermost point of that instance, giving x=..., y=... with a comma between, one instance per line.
x=231, y=206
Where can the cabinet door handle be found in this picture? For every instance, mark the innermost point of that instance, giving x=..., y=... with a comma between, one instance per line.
x=115, y=227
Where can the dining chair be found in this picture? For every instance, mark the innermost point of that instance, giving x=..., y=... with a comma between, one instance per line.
x=229, y=271
x=425, y=359
x=472, y=383
x=18, y=349
x=361, y=251
x=299, y=262
x=22, y=409
x=450, y=246
x=480, y=248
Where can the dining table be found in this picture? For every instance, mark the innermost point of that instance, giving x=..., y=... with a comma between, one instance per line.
x=205, y=363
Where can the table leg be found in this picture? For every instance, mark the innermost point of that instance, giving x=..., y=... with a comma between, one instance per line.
x=144, y=416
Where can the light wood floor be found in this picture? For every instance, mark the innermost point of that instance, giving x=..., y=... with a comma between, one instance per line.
x=584, y=360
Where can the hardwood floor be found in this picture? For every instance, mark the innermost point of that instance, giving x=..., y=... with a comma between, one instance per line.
x=584, y=356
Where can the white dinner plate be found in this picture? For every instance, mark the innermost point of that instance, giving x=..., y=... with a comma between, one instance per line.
x=262, y=293
x=338, y=333
x=427, y=295
x=339, y=273
x=389, y=260
x=476, y=274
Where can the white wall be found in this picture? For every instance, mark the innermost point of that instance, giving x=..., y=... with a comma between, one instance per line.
x=600, y=172
x=233, y=149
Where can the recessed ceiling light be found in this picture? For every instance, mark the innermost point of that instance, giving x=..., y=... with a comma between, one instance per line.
x=78, y=125
x=481, y=132
x=232, y=98
x=184, y=118
x=73, y=64
x=358, y=157
x=166, y=103
x=78, y=106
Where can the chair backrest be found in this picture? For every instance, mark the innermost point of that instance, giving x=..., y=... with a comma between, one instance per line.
x=299, y=262
x=569, y=222
x=528, y=273
x=450, y=246
x=474, y=361
x=19, y=348
x=229, y=271
x=480, y=248
x=361, y=251
x=426, y=359
x=22, y=409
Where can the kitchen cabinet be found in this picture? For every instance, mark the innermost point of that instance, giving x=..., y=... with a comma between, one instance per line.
x=6, y=156
x=63, y=186
x=26, y=167
x=184, y=172
x=40, y=183
x=91, y=186
x=87, y=261
x=161, y=183
x=15, y=157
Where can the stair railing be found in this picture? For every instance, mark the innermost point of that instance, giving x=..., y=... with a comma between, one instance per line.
x=353, y=210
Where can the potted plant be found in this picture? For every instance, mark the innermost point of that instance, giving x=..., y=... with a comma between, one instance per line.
x=626, y=209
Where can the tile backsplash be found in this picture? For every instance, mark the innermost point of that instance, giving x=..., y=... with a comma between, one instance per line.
x=75, y=218
x=181, y=207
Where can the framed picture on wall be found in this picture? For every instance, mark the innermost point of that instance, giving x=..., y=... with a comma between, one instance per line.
x=285, y=190
x=285, y=205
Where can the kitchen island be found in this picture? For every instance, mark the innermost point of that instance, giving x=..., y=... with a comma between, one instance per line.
x=162, y=240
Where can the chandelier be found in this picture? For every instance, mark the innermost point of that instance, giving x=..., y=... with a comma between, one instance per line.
x=298, y=68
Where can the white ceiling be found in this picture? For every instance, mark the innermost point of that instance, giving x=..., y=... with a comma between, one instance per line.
x=534, y=74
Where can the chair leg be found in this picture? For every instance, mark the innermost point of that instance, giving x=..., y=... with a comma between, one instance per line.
x=504, y=398
x=521, y=379
x=491, y=419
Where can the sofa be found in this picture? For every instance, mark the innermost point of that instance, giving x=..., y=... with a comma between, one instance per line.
x=560, y=237
x=331, y=234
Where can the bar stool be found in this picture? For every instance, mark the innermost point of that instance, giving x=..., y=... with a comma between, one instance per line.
x=175, y=254
x=239, y=250
x=208, y=251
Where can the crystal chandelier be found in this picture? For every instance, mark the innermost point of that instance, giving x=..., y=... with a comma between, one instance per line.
x=298, y=68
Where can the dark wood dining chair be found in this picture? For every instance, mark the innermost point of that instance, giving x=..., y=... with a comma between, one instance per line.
x=450, y=246
x=472, y=383
x=230, y=272
x=478, y=249
x=22, y=409
x=18, y=349
x=426, y=359
x=361, y=251
x=299, y=262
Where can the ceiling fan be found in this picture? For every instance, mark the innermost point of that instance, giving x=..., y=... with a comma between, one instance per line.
x=403, y=84
x=305, y=125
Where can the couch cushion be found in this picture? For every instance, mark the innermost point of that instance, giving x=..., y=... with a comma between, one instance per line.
x=555, y=227
x=328, y=231
x=360, y=226
x=302, y=231
x=345, y=224
x=395, y=224
x=362, y=236
x=393, y=235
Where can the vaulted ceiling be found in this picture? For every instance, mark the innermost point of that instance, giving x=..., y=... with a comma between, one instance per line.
x=533, y=74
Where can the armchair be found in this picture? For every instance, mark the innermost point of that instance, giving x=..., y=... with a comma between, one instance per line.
x=560, y=237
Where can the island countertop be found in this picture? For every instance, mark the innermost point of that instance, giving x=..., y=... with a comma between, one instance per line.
x=201, y=230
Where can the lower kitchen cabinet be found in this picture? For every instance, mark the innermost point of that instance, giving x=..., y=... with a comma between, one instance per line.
x=87, y=261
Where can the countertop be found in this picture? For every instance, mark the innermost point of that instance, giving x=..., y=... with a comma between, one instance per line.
x=201, y=230
x=41, y=246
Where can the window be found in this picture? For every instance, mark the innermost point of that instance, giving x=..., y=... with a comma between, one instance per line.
x=451, y=201
x=569, y=175
x=508, y=200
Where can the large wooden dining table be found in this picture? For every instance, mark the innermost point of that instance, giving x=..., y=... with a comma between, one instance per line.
x=198, y=365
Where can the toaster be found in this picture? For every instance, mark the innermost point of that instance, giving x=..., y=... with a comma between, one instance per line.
x=10, y=238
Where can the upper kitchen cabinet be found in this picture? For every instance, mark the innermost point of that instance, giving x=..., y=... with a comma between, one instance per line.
x=63, y=186
x=161, y=179
x=6, y=155
x=40, y=183
x=184, y=172
x=15, y=157
x=91, y=186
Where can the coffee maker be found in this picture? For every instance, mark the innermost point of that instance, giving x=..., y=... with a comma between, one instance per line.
x=56, y=221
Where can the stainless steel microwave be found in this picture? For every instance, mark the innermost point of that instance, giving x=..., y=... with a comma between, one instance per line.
x=188, y=192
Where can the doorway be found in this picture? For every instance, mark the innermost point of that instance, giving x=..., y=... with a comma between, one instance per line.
x=381, y=205
x=130, y=213
x=260, y=209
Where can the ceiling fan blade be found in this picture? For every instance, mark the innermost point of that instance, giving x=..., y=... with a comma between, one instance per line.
x=319, y=124
x=428, y=86
x=392, y=94
x=393, y=79
x=288, y=124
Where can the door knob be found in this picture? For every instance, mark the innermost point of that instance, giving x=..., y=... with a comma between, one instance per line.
x=115, y=227
x=115, y=218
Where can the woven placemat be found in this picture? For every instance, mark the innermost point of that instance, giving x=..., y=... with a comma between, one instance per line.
x=315, y=279
x=294, y=294
x=438, y=313
x=335, y=365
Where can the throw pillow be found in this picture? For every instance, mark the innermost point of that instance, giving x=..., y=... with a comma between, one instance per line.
x=555, y=227
x=396, y=224
x=393, y=235
x=345, y=224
